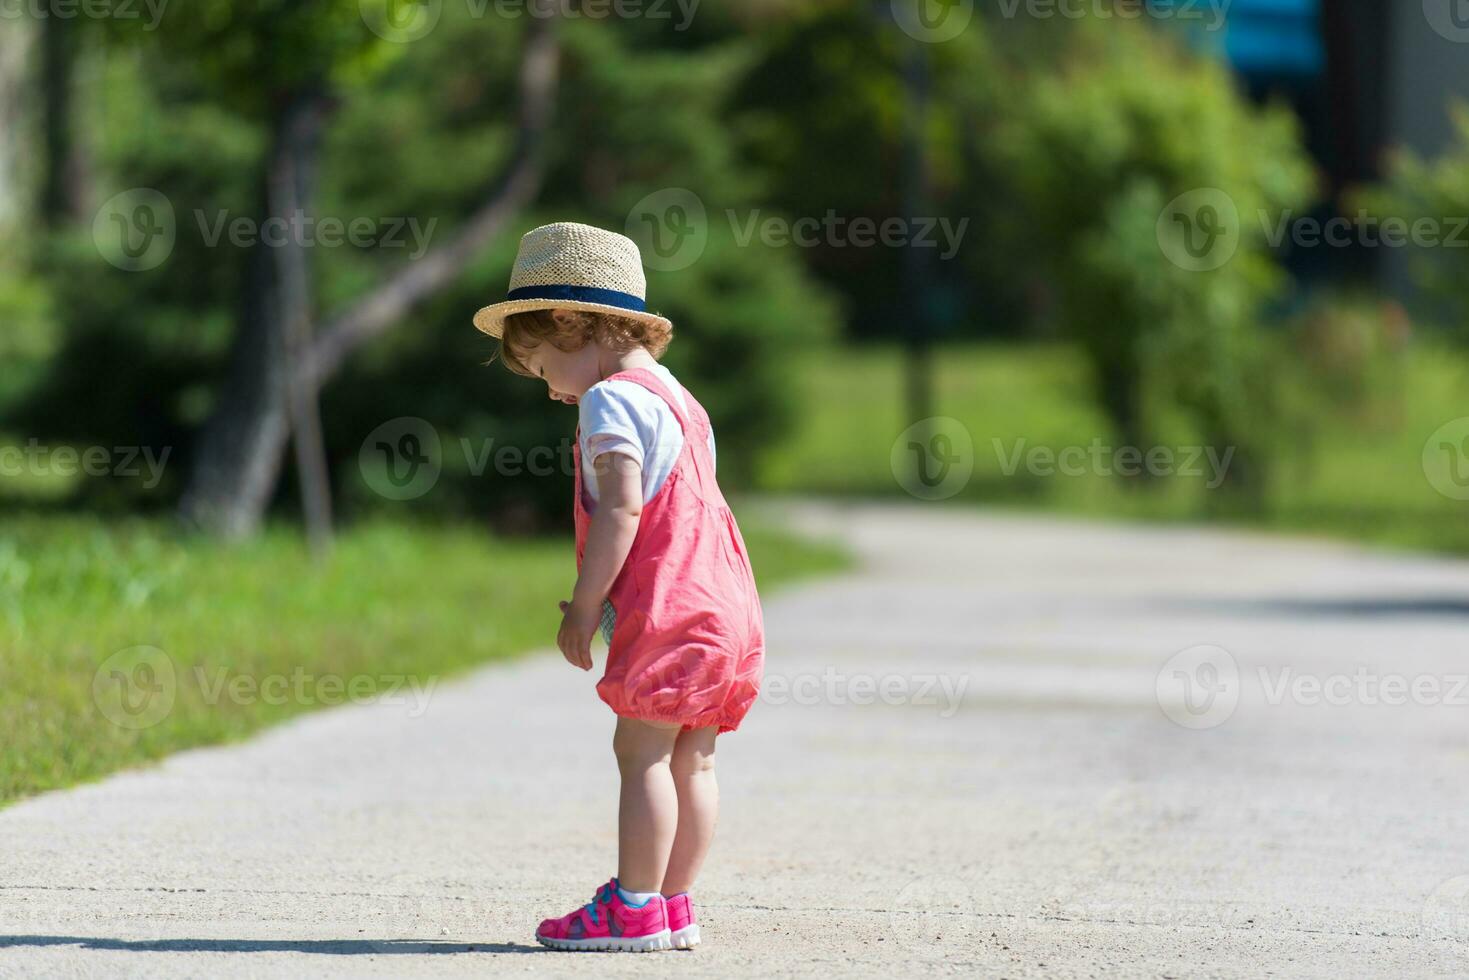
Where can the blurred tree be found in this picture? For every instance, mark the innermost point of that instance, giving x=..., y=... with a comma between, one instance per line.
x=65, y=177
x=1144, y=176
x=295, y=50
x=419, y=131
x=1436, y=193
x=831, y=117
x=15, y=49
x=642, y=119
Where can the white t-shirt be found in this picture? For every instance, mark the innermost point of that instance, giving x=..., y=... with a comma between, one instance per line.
x=625, y=417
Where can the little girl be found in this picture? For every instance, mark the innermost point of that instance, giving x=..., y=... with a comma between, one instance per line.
x=663, y=571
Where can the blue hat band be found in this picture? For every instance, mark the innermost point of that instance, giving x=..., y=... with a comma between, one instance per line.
x=581, y=294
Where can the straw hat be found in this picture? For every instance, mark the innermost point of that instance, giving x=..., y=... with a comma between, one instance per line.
x=567, y=266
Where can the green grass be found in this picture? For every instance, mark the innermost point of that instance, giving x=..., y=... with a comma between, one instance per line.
x=1362, y=478
x=392, y=600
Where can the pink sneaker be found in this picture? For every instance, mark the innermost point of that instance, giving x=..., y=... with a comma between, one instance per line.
x=683, y=928
x=609, y=923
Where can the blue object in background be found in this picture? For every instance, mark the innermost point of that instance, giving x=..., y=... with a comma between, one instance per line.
x=1259, y=37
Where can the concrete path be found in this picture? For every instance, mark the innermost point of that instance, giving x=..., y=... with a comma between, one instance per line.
x=1002, y=747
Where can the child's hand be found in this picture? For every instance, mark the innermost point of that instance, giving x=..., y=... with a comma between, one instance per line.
x=575, y=636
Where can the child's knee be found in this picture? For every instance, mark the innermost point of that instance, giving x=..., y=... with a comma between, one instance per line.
x=690, y=767
x=638, y=746
x=692, y=760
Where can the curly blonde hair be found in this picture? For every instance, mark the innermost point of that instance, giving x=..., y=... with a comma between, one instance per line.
x=573, y=331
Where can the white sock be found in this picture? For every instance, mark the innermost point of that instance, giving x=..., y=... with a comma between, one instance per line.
x=635, y=898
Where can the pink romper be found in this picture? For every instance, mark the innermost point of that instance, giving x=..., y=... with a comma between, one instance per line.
x=689, y=641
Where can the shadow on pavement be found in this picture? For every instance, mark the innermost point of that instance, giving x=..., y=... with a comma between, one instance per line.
x=331, y=947
x=1365, y=606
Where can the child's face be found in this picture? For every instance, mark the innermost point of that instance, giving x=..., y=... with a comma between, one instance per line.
x=568, y=374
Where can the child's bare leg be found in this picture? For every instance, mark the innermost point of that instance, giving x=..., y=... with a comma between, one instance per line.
x=647, y=813
x=698, y=807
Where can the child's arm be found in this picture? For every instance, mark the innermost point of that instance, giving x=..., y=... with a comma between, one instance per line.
x=609, y=539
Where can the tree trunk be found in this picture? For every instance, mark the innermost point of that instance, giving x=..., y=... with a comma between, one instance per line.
x=292, y=193
x=239, y=457
x=1119, y=389
x=15, y=44
x=242, y=446
x=65, y=194
x=917, y=282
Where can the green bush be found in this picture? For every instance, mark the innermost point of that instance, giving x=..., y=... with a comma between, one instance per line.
x=1436, y=190
x=1111, y=156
